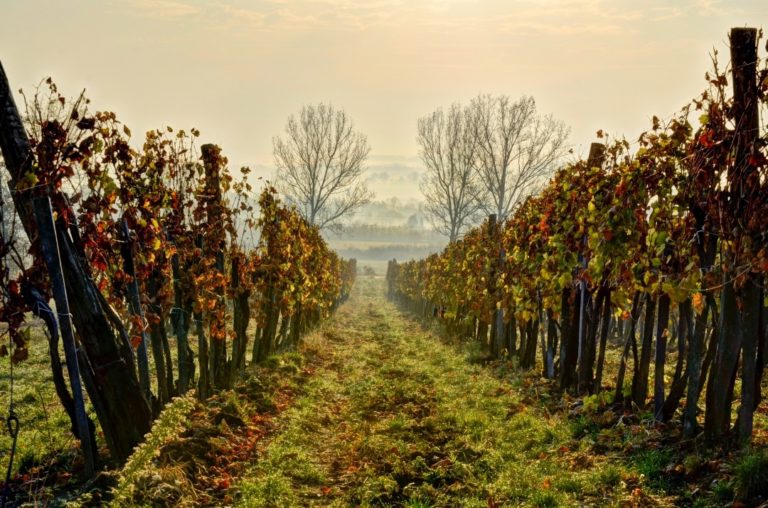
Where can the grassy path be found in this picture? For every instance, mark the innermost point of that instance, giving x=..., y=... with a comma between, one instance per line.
x=393, y=417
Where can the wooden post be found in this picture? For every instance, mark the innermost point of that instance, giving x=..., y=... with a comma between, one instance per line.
x=695, y=352
x=50, y=249
x=584, y=359
x=568, y=351
x=296, y=325
x=213, y=247
x=746, y=112
x=204, y=380
x=495, y=348
x=180, y=320
x=736, y=304
x=640, y=378
x=159, y=341
x=241, y=314
x=134, y=303
x=549, y=353
x=499, y=335
x=629, y=339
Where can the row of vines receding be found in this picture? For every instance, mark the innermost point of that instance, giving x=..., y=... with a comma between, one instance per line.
x=660, y=255
x=175, y=271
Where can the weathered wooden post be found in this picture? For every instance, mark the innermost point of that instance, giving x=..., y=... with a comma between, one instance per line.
x=213, y=247
x=134, y=303
x=50, y=250
x=738, y=323
x=585, y=357
x=740, y=306
x=746, y=111
x=180, y=321
x=241, y=315
x=498, y=332
x=483, y=325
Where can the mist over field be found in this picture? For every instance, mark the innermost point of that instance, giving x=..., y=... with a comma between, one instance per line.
x=393, y=225
x=385, y=230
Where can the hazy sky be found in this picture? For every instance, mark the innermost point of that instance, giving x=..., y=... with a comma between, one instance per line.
x=237, y=69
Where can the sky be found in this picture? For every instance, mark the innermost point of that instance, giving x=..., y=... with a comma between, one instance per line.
x=236, y=69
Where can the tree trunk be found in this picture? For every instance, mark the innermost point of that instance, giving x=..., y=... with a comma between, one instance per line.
x=762, y=344
x=745, y=189
x=749, y=318
x=511, y=334
x=629, y=342
x=680, y=379
x=710, y=352
x=640, y=379
x=204, y=381
x=265, y=341
x=134, y=303
x=169, y=378
x=717, y=418
x=156, y=332
x=530, y=334
x=497, y=333
x=605, y=327
x=589, y=323
x=569, y=338
x=213, y=246
x=180, y=322
x=662, y=330
x=283, y=333
x=296, y=325
x=549, y=357
x=241, y=314
x=219, y=372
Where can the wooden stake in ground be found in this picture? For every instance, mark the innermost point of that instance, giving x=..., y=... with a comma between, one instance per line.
x=737, y=303
x=50, y=249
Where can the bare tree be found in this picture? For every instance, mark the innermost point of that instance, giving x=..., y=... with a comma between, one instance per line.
x=320, y=164
x=448, y=150
x=517, y=150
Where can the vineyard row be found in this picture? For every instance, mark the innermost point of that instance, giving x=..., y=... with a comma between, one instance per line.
x=664, y=246
x=141, y=249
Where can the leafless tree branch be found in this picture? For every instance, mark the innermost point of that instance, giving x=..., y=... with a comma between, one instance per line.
x=518, y=150
x=320, y=165
x=448, y=151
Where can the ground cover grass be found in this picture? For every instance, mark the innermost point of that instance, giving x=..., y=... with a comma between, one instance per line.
x=395, y=417
x=197, y=450
x=377, y=408
x=47, y=454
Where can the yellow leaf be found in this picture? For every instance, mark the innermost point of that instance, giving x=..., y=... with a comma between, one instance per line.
x=698, y=303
